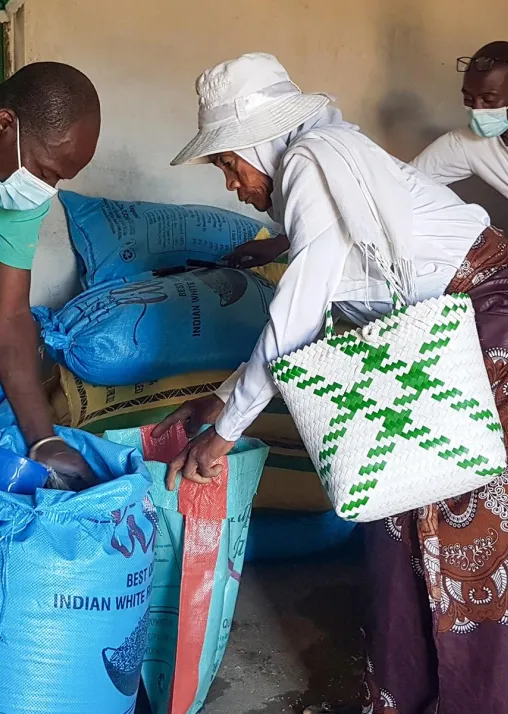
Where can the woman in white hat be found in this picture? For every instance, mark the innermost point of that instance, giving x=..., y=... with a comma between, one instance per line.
x=347, y=207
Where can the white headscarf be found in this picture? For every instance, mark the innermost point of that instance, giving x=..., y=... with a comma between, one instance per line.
x=372, y=198
x=267, y=157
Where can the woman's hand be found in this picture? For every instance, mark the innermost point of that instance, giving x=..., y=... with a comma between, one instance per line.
x=197, y=461
x=257, y=252
x=193, y=414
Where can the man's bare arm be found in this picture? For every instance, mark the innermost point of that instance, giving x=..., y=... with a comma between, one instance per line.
x=19, y=360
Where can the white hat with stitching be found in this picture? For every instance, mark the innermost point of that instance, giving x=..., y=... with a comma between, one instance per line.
x=246, y=102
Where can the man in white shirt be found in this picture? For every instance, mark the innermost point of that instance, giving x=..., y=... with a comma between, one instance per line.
x=482, y=149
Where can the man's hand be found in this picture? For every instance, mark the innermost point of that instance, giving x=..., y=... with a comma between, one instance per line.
x=68, y=463
x=197, y=461
x=257, y=252
x=193, y=414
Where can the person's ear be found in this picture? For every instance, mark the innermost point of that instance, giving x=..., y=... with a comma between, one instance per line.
x=8, y=121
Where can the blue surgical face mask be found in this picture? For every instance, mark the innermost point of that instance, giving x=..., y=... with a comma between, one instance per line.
x=23, y=191
x=489, y=123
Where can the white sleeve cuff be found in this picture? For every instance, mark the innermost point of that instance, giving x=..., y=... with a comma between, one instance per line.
x=230, y=424
x=227, y=388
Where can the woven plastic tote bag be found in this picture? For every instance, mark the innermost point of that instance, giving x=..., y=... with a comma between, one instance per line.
x=398, y=414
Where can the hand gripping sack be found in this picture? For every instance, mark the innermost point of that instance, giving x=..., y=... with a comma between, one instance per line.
x=291, y=511
x=198, y=563
x=119, y=239
x=399, y=414
x=76, y=571
x=125, y=332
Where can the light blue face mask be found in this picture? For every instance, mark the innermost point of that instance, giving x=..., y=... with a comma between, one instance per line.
x=23, y=191
x=489, y=123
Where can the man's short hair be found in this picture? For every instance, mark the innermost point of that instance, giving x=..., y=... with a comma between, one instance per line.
x=497, y=50
x=49, y=97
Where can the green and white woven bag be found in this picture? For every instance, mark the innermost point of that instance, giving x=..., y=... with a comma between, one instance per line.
x=398, y=414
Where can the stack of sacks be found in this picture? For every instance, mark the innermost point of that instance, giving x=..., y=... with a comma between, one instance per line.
x=132, y=330
x=129, y=326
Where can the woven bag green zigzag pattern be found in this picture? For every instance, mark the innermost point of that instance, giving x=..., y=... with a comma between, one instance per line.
x=395, y=419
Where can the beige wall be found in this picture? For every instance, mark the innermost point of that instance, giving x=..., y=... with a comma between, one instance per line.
x=391, y=64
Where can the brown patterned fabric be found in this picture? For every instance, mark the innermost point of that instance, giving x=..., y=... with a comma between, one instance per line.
x=438, y=631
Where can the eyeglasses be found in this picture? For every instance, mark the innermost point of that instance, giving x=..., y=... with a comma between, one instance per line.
x=481, y=64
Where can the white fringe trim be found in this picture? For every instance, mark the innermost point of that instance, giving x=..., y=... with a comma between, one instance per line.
x=401, y=277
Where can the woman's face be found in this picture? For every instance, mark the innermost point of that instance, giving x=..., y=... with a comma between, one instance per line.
x=252, y=187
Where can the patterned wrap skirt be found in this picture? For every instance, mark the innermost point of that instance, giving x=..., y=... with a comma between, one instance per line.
x=437, y=620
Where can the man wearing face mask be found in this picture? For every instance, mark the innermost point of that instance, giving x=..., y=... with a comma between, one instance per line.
x=49, y=127
x=481, y=150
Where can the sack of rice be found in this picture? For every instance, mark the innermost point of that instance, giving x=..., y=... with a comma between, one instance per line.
x=76, y=585
x=124, y=332
x=198, y=564
x=120, y=239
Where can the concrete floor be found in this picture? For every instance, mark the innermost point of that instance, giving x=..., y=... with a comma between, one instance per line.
x=295, y=640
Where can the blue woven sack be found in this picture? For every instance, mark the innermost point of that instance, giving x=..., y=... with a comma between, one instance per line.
x=124, y=332
x=119, y=239
x=76, y=574
x=199, y=559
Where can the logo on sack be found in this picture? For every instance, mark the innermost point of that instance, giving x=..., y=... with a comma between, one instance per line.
x=229, y=285
x=148, y=292
x=127, y=255
x=134, y=525
x=123, y=664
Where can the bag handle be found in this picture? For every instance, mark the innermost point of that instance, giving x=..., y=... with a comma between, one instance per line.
x=329, y=326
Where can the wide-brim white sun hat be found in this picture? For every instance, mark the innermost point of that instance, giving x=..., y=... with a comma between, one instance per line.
x=246, y=102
